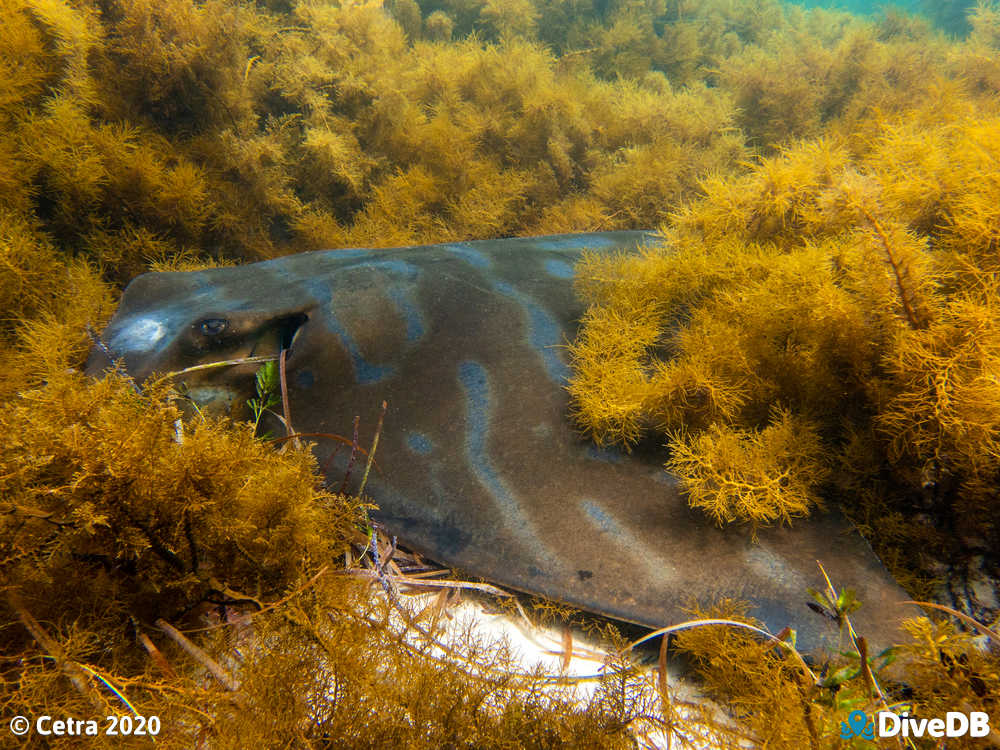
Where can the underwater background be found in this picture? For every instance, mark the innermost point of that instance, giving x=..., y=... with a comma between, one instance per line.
x=949, y=14
x=820, y=327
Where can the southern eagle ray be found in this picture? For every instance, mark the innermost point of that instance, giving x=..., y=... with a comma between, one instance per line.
x=479, y=465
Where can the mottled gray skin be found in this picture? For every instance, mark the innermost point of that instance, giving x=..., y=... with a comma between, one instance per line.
x=479, y=466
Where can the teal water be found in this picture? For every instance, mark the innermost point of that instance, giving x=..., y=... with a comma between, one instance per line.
x=862, y=7
x=949, y=15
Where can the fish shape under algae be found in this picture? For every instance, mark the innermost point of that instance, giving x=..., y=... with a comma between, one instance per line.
x=478, y=464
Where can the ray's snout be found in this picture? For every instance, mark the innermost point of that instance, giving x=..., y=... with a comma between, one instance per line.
x=213, y=357
x=173, y=338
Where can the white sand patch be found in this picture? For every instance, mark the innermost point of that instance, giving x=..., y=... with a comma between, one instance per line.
x=572, y=662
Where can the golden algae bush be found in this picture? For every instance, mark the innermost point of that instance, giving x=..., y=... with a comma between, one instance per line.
x=117, y=515
x=138, y=129
x=135, y=130
x=785, y=704
x=823, y=326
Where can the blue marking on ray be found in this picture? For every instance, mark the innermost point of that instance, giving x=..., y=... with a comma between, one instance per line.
x=345, y=253
x=472, y=257
x=291, y=266
x=207, y=288
x=477, y=408
x=397, y=267
x=473, y=378
x=543, y=331
x=350, y=253
x=574, y=242
x=607, y=455
x=418, y=442
x=320, y=290
x=559, y=268
x=364, y=371
x=410, y=310
x=603, y=520
x=633, y=545
x=664, y=478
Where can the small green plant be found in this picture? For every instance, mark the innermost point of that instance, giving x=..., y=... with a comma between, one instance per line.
x=268, y=392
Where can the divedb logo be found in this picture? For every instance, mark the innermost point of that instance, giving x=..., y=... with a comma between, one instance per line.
x=889, y=724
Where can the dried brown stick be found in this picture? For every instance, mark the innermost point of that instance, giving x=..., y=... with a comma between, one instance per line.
x=157, y=656
x=355, y=446
x=222, y=363
x=285, y=409
x=970, y=621
x=371, y=453
x=424, y=582
x=52, y=647
x=662, y=688
x=199, y=655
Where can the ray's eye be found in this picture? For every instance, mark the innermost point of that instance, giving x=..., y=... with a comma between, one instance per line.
x=213, y=326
